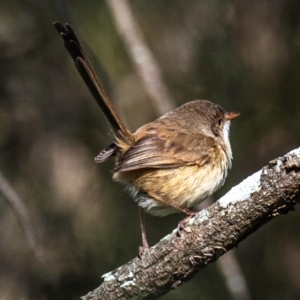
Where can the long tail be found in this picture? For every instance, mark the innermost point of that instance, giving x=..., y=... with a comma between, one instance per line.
x=87, y=73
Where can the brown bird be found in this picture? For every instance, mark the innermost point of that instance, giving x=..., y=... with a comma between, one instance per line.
x=171, y=164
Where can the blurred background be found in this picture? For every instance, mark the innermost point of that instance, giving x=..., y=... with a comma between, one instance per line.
x=243, y=55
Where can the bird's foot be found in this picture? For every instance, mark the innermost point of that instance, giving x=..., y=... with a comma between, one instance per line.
x=181, y=224
x=143, y=249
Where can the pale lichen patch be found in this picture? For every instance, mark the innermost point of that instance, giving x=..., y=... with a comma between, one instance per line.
x=242, y=191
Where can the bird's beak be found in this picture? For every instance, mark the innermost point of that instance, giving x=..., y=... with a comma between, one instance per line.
x=231, y=115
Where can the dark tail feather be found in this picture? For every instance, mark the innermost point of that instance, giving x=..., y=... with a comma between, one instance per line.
x=87, y=73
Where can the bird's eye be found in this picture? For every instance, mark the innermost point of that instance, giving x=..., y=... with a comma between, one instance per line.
x=220, y=122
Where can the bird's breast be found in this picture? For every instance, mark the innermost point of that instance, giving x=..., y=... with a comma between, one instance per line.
x=183, y=186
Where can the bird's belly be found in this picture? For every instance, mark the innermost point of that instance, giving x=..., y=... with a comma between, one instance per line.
x=159, y=191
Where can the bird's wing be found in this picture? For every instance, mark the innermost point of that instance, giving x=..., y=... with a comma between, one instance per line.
x=167, y=148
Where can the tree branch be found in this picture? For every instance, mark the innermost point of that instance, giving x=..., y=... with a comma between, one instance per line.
x=266, y=194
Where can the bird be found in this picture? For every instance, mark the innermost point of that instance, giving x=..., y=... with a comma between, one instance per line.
x=170, y=164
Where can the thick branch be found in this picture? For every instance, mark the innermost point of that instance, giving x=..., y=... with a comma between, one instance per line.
x=246, y=207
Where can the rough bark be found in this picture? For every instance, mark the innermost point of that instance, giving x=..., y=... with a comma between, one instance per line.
x=268, y=193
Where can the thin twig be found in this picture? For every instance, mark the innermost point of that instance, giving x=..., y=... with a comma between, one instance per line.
x=144, y=62
x=233, y=274
x=20, y=210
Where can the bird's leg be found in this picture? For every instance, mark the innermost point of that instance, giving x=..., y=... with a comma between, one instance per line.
x=190, y=214
x=145, y=244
